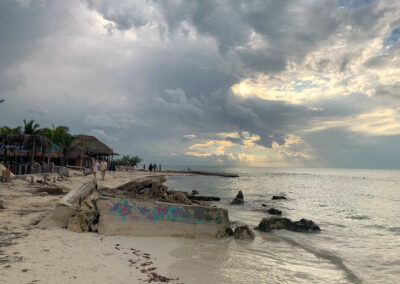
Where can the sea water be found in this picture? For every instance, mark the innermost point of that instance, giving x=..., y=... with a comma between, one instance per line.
x=358, y=212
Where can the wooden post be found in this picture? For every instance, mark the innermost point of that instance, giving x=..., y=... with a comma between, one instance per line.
x=20, y=169
x=31, y=180
x=45, y=179
x=33, y=151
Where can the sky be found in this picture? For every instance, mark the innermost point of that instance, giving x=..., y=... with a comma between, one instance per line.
x=288, y=83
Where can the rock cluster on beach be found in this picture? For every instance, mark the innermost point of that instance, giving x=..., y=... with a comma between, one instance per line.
x=278, y=223
x=147, y=189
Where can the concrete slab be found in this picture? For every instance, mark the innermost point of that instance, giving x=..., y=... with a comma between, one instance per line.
x=149, y=218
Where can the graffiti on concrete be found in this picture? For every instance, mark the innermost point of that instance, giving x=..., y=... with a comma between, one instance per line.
x=134, y=212
x=124, y=209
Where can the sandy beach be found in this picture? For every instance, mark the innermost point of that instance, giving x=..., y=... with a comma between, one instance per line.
x=30, y=254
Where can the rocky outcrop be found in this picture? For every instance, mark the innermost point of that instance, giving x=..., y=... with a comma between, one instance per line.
x=278, y=197
x=239, y=199
x=278, y=223
x=274, y=211
x=244, y=233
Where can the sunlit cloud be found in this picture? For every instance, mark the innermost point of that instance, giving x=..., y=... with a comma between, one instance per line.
x=379, y=122
x=294, y=152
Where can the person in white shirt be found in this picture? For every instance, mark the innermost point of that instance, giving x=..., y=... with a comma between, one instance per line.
x=103, y=168
x=95, y=167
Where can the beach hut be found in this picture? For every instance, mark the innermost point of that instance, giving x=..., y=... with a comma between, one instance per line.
x=24, y=146
x=84, y=147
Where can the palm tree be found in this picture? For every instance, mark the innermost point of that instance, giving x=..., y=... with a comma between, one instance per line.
x=59, y=135
x=66, y=146
x=30, y=127
x=8, y=130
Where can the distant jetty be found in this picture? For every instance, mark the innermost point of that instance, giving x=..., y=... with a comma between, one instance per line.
x=206, y=173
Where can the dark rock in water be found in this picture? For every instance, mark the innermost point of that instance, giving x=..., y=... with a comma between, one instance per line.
x=264, y=205
x=244, y=233
x=277, y=197
x=229, y=231
x=278, y=223
x=195, y=192
x=239, y=199
x=204, y=198
x=274, y=211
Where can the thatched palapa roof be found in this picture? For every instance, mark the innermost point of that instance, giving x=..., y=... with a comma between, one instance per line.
x=89, y=146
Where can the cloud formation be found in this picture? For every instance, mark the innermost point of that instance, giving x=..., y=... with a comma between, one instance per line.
x=268, y=83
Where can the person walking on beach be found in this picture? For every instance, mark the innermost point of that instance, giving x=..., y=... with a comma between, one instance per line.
x=95, y=168
x=150, y=167
x=159, y=167
x=154, y=167
x=103, y=168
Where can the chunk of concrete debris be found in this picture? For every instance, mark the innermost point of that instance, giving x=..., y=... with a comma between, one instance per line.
x=85, y=221
x=69, y=205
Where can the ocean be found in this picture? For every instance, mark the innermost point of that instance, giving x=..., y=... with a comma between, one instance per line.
x=358, y=212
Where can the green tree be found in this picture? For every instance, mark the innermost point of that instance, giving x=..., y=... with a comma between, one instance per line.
x=59, y=135
x=31, y=127
x=127, y=160
x=8, y=130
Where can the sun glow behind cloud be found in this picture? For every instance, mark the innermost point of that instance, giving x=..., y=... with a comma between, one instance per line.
x=245, y=150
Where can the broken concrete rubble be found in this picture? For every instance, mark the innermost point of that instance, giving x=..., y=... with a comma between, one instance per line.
x=70, y=205
x=142, y=207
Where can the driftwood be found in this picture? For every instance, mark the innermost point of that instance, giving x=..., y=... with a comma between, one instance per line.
x=50, y=190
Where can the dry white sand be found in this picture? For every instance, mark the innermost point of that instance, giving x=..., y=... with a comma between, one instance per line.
x=32, y=255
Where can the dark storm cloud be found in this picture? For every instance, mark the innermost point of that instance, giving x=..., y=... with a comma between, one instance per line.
x=154, y=77
x=283, y=28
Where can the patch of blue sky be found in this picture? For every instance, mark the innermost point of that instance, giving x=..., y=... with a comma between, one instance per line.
x=392, y=41
x=353, y=4
x=301, y=85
